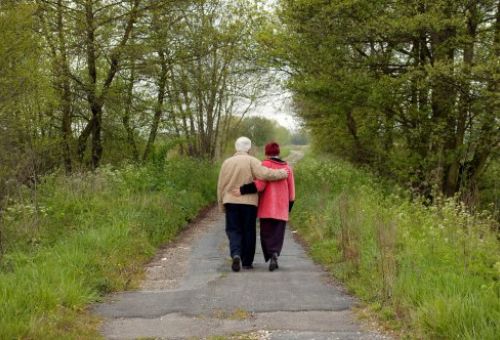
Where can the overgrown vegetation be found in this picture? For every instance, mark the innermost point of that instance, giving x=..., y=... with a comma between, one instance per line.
x=90, y=82
x=88, y=234
x=431, y=271
x=410, y=88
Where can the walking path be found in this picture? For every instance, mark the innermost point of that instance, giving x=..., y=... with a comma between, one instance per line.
x=191, y=292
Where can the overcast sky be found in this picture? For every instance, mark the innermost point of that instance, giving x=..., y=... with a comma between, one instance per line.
x=277, y=107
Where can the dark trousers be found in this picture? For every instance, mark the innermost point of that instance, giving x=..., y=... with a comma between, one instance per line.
x=272, y=235
x=240, y=230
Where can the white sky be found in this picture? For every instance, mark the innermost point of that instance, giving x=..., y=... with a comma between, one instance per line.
x=277, y=106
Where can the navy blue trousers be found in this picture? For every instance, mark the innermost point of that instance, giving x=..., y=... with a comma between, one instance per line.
x=240, y=230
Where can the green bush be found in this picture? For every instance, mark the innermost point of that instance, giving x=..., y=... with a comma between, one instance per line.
x=87, y=235
x=433, y=270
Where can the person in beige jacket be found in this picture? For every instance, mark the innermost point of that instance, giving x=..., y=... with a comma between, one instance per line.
x=241, y=211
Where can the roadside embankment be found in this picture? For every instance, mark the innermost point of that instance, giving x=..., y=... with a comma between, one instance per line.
x=433, y=272
x=83, y=236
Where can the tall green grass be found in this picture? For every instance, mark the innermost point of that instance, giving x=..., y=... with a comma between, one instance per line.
x=87, y=235
x=432, y=271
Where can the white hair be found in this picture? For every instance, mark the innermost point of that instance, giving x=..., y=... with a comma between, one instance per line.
x=243, y=144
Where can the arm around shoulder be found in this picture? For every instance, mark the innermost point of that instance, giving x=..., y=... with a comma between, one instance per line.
x=261, y=172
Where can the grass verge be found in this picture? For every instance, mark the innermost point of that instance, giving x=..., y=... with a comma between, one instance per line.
x=86, y=235
x=431, y=272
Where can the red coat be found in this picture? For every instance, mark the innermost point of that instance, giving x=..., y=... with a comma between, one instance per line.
x=274, y=197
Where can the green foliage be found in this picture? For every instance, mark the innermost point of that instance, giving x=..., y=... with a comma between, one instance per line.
x=87, y=235
x=18, y=54
x=262, y=131
x=407, y=87
x=434, y=271
x=299, y=138
x=209, y=65
x=25, y=148
x=84, y=83
x=489, y=188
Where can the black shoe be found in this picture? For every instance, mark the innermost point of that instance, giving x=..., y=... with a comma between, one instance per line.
x=273, y=264
x=248, y=267
x=236, y=263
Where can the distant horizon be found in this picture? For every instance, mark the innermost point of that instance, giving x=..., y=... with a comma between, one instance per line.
x=277, y=107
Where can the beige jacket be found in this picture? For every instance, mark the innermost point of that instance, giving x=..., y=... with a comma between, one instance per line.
x=242, y=169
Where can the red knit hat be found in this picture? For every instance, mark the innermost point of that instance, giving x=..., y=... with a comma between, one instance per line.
x=272, y=149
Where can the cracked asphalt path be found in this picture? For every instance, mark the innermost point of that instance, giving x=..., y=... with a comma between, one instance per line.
x=191, y=292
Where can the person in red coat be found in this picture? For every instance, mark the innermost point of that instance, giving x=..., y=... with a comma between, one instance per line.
x=275, y=203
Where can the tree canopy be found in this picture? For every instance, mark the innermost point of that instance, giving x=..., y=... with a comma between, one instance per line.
x=408, y=87
x=89, y=81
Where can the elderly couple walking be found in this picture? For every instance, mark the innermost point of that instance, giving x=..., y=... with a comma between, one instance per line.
x=248, y=189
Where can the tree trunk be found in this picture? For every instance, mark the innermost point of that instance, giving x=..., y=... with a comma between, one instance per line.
x=96, y=136
x=67, y=133
x=442, y=102
x=95, y=107
x=66, y=92
x=127, y=112
x=489, y=132
x=62, y=79
x=82, y=139
x=95, y=100
x=172, y=115
x=353, y=130
x=452, y=184
x=158, y=107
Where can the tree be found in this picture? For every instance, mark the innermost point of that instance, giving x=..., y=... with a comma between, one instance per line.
x=99, y=44
x=407, y=87
x=90, y=81
x=25, y=96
